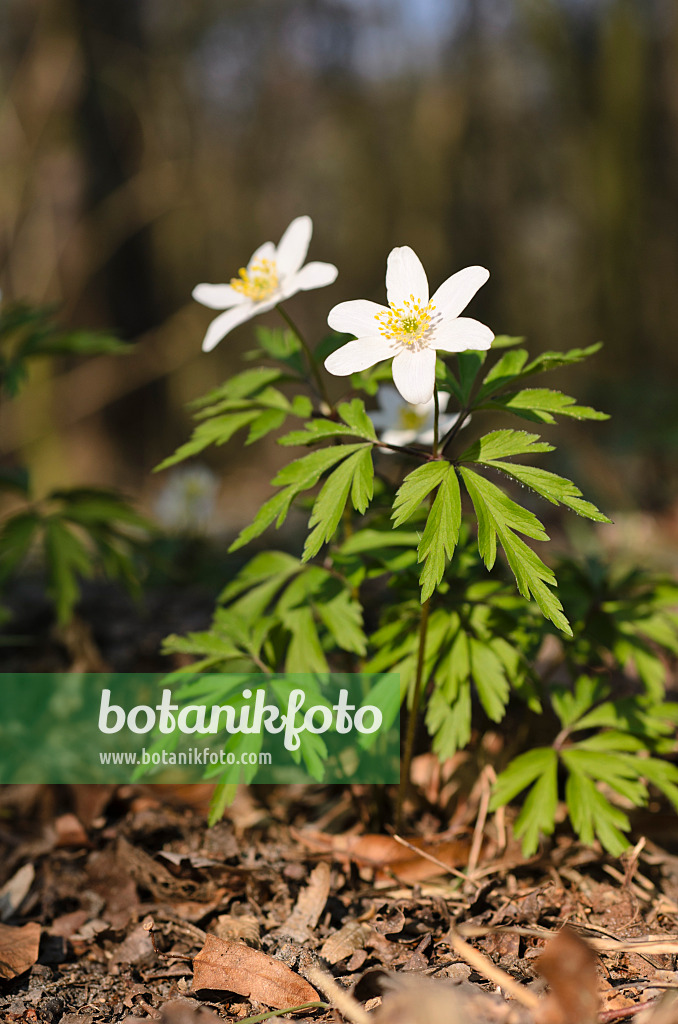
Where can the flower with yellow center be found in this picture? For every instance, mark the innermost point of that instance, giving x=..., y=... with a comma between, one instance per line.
x=412, y=328
x=400, y=423
x=273, y=274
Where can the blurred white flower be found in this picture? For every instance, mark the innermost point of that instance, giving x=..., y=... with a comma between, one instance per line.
x=187, y=502
x=400, y=423
x=412, y=328
x=273, y=274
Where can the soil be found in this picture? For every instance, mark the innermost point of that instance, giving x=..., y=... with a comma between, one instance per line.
x=109, y=895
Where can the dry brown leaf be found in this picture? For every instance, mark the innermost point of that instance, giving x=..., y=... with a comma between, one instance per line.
x=345, y=942
x=408, y=998
x=238, y=926
x=15, y=891
x=310, y=904
x=384, y=852
x=569, y=965
x=234, y=967
x=18, y=949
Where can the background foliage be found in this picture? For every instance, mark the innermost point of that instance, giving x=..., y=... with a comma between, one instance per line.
x=147, y=146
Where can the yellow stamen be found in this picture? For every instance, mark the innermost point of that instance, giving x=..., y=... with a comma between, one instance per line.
x=408, y=324
x=258, y=282
x=408, y=419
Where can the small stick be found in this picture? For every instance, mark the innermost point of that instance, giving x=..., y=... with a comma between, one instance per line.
x=494, y=974
x=488, y=778
x=429, y=856
x=148, y=925
x=342, y=1000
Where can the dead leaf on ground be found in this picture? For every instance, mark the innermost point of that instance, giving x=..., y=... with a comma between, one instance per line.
x=385, y=852
x=310, y=904
x=234, y=967
x=569, y=966
x=18, y=949
x=15, y=891
x=410, y=997
x=180, y=1011
x=350, y=938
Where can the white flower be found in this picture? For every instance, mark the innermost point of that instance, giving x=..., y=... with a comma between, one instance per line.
x=272, y=275
x=401, y=423
x=412, y=328
x=188, y=500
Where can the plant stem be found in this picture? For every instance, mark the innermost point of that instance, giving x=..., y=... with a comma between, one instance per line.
x=436, y=420
x=454, y=429
x=309, y=354
x=413, y=715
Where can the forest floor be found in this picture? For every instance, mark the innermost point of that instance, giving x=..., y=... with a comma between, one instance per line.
x=121, y=905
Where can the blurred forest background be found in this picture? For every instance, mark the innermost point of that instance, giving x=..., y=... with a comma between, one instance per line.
x=147, y=145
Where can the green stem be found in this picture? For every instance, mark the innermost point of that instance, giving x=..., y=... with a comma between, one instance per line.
x=413, y=715
x=436, y=420
x=454, y=429
x=309, y=354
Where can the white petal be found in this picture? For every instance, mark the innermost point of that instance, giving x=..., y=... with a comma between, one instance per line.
x=462, y=333
x=224, y=323
x=414, y=375
x=389, y=400
x=405, y=276
x=444, y=424
x=313, y=275
x=293, y=246
x=398, y=436
x=456, y=293
x=380, y=418
x=443, y=399
x=264, y=252
x=358, y=355
x=357, y=316
x=218, y=296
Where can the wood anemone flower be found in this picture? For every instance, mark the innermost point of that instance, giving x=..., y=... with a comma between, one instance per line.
x=273, y=274
x=400, y=423
x=412, y=327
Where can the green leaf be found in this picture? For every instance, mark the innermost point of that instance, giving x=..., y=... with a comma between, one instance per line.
x=330, y=503
x=67, y=559
x=441, y=532
x=306, y=471
x=554, y=360
x=264, y=423
x=469, y=364
x=499, y=516
x=593, y=815
x=449, y=723
x=538, y=816
x=16, y=536
x=342, y=616
x=243, y=385
x=502, y=443
x=276, y=507
x=217, y=430
x=521, y=773
x=304, y=653
x=259, y=581
x=538, y=769
x=353, y=413
x=503, y=510
x=367, y=540
x=489, y=678
x=362, y=487
x=543, y=405
x=415, y=488
x=503, y=372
